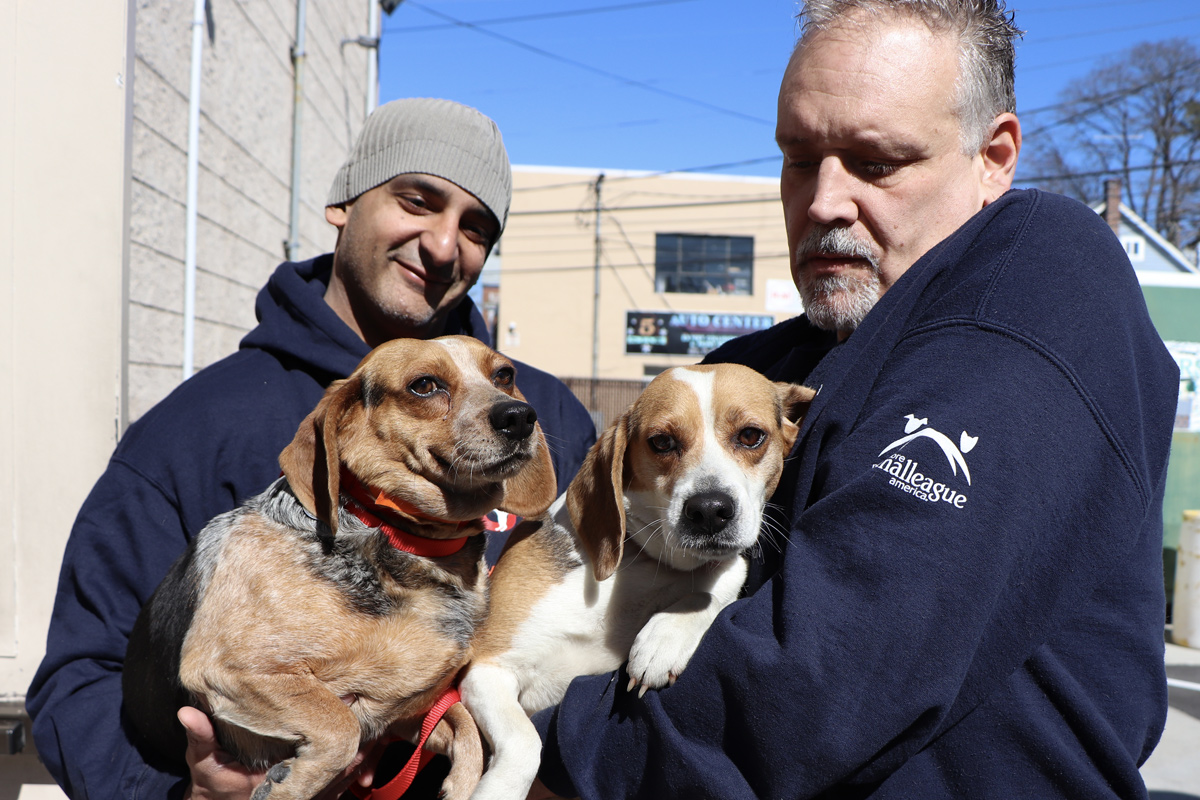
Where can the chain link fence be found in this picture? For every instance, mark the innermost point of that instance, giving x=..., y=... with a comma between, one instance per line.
x=605, y=398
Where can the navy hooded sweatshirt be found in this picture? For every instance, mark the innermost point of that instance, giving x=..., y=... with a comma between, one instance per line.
x=965, y=598
x=211, y=444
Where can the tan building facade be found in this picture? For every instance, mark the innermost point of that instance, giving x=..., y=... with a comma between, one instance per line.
x=668, y=266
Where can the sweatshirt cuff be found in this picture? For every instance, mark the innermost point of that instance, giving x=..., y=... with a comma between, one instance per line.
x=552, y=772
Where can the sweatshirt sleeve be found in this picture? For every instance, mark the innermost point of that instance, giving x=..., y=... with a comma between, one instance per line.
x=126, y=533
x=957, y=514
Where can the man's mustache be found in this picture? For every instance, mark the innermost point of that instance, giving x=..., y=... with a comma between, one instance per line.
x=837, y=241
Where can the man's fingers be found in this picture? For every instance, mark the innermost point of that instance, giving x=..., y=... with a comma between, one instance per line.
x=199, y=728
x=367, y=760
x=215, y=770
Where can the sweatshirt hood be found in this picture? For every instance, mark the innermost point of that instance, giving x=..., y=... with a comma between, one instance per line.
x=299, y=328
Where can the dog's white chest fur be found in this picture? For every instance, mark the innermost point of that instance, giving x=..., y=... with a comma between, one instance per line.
x=582, y=626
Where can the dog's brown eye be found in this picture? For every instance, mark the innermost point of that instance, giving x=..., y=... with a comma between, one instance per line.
x=503, y=377
x=662, y=443
x=751, y=437
x=423, y=386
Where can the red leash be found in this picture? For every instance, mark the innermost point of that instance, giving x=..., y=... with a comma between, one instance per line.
x=398, y=785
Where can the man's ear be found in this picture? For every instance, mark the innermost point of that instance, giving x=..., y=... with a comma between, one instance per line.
x=337, y=215
x=1000, y=156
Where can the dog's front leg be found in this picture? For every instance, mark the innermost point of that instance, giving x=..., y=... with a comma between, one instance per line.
x=457, y=736
x=492, y=696
x=298, y=709
x=666, y=642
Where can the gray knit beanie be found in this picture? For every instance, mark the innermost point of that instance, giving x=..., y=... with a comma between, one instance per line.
x=434, y=137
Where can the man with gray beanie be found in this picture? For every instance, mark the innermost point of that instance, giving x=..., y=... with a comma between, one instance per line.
x=419, y=203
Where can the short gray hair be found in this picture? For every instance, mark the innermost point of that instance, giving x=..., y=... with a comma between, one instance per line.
x=986, y=53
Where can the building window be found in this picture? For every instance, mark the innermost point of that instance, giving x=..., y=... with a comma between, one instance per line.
x=695, y=264
x=1135, y=247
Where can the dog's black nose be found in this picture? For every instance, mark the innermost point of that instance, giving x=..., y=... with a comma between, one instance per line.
x=514, y=419
x=709, y=511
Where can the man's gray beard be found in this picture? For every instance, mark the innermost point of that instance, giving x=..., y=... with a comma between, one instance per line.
x=838, y=302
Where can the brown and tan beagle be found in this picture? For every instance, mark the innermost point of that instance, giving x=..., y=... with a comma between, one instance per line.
x=342, y=601
x=635, y=560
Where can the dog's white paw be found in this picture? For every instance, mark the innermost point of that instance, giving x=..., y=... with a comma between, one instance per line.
x=664, y=646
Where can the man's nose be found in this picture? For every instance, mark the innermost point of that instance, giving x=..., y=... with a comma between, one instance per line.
x=833, y=200
x=440, y=239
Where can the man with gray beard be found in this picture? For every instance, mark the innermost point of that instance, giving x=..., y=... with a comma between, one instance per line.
x=961, y=594
x=838, y=302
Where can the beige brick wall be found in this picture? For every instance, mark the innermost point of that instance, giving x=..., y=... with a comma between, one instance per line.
x=245, y=167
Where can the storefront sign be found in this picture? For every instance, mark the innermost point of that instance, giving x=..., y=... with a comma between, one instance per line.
x=687, y=333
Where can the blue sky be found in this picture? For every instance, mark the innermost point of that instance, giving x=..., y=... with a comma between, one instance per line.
x=686, y=84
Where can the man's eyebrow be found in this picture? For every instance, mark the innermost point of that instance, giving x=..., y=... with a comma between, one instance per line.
x=869, y=141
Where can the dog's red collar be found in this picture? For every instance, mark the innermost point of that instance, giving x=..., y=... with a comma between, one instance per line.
x=365, y=499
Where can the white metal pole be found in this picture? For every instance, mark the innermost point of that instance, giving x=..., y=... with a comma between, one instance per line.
x=298, y=54
x=193, y=175
x=373, y=58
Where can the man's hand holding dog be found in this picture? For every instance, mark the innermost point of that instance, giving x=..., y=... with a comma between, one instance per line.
x=217, y=776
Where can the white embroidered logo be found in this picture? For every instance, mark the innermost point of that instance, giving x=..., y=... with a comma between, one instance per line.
x=905, y=471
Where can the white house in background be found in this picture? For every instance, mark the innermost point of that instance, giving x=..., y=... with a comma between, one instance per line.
x=1148, y=251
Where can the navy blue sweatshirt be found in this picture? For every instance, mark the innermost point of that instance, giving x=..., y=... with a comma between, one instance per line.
x=968, y=600
x=211, y=444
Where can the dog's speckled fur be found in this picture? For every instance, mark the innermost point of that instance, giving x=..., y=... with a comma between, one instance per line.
x=300, y=629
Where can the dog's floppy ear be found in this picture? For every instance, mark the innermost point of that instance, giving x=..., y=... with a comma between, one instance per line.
x=794, y=401
x=312, y=462
x=531, y=491
x=596, y=500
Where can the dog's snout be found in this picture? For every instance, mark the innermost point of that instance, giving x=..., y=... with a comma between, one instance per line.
x=709, y=511
x=514, y=419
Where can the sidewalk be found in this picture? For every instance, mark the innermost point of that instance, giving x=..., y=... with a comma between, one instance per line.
x=1173, y=771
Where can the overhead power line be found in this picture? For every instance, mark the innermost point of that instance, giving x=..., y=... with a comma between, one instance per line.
x=1089, y=58
x=1089, y=6
x=578, y=12
x=595, y=70
x=509, y=270
x=1191, y=162
x=774, y=198
x=709, y=168
x=1122, y=29
x=1101, y=102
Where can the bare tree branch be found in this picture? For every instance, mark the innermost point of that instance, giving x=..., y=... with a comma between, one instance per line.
x=1136, y=118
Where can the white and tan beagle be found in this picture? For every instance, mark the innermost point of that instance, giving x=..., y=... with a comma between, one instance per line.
x=635, y=560
x=338, y=605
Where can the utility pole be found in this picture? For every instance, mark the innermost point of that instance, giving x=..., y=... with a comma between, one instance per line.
x=596, y=295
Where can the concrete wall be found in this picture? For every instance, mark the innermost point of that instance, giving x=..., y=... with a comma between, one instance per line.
x=63, y=180
x=547, y=281
x=93, y=155
x=245, y=167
